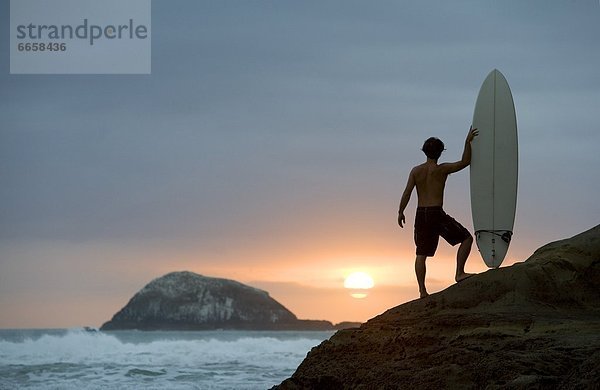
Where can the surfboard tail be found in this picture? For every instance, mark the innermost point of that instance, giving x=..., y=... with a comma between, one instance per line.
x=493, y=245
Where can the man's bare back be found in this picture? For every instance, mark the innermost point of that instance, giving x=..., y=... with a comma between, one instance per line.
x=430, y=181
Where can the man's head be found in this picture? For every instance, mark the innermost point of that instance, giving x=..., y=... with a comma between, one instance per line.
x=433, y=148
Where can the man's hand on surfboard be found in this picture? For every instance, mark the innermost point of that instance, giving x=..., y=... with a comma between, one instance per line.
x=472, y=134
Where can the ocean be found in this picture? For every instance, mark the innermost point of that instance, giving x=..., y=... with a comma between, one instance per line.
x=81, y=359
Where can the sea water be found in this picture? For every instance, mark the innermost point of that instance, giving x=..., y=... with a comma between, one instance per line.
x=82, y=359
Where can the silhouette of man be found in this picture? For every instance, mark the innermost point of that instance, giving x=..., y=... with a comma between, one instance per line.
x=431, y=221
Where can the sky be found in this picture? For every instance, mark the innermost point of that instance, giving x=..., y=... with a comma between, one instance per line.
x=271, y=143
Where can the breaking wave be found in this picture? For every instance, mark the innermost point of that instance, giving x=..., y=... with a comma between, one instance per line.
x=178, y=360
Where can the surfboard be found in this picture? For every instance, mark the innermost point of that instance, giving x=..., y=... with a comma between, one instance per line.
x=494, y=169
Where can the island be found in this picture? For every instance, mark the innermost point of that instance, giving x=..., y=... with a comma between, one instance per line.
x=189, y=301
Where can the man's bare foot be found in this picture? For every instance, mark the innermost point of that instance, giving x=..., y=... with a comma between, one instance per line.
x=424, y=294
x=463, y=276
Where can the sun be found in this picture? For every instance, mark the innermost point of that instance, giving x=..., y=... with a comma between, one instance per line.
x=359, y=283
x=360, y=280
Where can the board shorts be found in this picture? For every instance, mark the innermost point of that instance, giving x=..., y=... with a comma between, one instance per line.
x=433, y=222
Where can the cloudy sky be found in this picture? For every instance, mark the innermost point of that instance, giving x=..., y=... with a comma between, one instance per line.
x=271, y=144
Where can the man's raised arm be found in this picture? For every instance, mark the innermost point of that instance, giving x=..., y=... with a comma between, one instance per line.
x=466, y=157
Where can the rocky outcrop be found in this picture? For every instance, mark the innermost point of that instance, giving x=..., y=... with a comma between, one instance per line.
x=188, y=301
x=532, y=325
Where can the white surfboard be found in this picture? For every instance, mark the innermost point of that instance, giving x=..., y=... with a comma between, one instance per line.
x=494, y=169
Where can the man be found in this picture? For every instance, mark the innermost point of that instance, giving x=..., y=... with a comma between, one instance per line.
x=431, y=221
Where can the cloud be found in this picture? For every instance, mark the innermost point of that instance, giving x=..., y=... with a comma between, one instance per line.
x=296, y=123
x=259, y=104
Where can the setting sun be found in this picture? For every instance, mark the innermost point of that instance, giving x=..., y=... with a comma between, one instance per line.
x=359, y=283
x=360, y=280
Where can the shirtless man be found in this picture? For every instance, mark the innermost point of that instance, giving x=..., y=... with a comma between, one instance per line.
x=431, y=221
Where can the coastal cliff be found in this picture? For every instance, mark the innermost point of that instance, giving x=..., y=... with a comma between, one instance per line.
x=533, y=325
x=188, y=301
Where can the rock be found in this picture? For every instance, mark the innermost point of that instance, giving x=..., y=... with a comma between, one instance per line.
x=532, y=325
x=188, y=301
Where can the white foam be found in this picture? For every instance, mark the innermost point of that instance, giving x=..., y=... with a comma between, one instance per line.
x=97, y=359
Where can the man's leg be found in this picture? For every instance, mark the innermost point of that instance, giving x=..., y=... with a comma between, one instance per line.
x=461, y=259
x=420, y=270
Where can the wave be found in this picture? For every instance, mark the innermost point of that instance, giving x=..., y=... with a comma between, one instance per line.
x=84, y=347
x=79, y=359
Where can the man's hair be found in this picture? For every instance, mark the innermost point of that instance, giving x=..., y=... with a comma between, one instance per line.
x=433, y=148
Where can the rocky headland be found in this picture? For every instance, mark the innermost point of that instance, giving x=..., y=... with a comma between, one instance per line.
x=188, y=301
x=533, y=325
